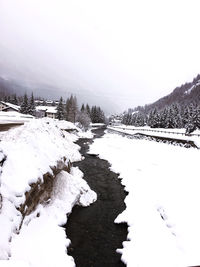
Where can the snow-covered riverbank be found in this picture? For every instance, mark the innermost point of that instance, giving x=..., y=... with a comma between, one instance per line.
x=27, y=153
x=163, y=201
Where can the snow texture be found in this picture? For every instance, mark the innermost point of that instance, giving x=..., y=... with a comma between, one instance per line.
x=159, y=132
x=14, y=117
x=26, y=154
x=191, y=88
x=162, y=207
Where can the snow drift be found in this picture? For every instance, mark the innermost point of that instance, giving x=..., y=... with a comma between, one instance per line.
x=26, y=154
x=163, y=201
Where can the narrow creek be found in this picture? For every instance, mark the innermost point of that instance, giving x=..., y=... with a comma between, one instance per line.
x=92, y=231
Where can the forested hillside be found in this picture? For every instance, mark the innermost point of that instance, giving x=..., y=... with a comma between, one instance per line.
x=183, y=95
x=180, y=109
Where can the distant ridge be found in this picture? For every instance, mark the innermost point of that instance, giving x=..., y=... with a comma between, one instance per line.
x=183, y=95
x=9, y=86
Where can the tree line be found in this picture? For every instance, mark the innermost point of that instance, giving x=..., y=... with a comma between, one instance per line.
x=173, y=116
x=66, y=110
x=69, y=111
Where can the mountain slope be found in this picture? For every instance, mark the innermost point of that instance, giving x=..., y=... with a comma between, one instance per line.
x=10, y=86
x=184, y=95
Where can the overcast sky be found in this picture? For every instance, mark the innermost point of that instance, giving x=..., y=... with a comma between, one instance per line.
x=132, y=52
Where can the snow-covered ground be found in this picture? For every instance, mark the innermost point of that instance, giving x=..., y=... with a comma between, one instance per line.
x=159, y=132
x=163, y=204
x=26, y=154
x=14, y=117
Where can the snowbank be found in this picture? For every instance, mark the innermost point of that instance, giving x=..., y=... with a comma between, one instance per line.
x=163, y=202
x=26, y=154
x=14, y=117
x=159, y=132
x=45, y=240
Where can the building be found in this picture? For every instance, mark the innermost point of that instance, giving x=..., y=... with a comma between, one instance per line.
x=5, y=106
x=49, y=103
x=46, y=111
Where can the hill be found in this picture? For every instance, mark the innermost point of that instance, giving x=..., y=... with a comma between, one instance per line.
x=47, y=91
x=183, y=95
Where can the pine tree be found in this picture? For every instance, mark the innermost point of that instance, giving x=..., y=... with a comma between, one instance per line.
x=82, y=108
x=97, y=115
x=31, y=105
x=67, y=110
x=74, y=108
x=185, y=115
x=124, y=119
x=198, y=117
x=60, y=110
x=93, y=114
x=163, y=118
x=170, y=118
x=15, y=101
x=191, y=125
x=71, y=109
x=154, y=119
x=88, y=109
x=101, y=116
x=140, y=120
x=24, y=106
x=9, y=99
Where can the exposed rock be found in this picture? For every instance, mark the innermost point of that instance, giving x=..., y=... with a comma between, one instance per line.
x=40, y=192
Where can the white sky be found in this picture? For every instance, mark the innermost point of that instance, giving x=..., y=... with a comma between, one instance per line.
x=132, y=52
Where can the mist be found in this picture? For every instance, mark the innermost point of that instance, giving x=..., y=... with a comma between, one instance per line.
x=118, y=54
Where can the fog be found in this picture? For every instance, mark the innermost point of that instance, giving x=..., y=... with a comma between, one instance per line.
x=122, y=53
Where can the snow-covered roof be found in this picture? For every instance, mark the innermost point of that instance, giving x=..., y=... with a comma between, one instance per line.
x=47, y=109
x=52, y=110
x=11, y=105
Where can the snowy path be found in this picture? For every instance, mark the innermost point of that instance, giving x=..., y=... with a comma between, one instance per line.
x=92, y=231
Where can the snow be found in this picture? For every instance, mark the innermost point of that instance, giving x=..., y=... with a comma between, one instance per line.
x=16, y=107
x=159, y=132
x=97, y=124
x=48, y=109
x=48, y=243
x=162, y=207
x=191, y=88
x=14, y=117
x=29, y=152
x=10, y=263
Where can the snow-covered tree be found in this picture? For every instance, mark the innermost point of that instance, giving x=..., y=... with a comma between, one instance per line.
x=14, y=100
x=97, y=115
x=71, y=109
x=83, y=119
x=31, y=105
x=139, y=119
x=163, y=118
x=127, y=119
x=82, y=108
x=60, y=110
x=154, y=119
x=198, y=117
x=87, y=109
x=24, y=106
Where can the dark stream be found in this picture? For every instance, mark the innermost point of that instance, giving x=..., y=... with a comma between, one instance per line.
x=92, y=231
